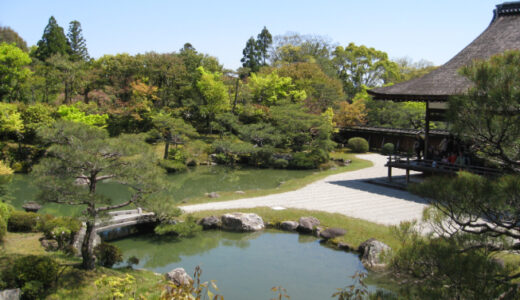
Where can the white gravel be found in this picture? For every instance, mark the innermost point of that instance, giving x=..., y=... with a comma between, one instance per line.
x=344, y=193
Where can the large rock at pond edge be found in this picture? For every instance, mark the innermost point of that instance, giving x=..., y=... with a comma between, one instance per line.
x=12, y=294
x=371, y=253
x=242, y=222
x=307, y=224
x=210, y=222
x=289, y=225
x=179, y=277
x=331, y=233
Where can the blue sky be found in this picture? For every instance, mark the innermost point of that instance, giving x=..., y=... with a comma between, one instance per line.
x=419, y=29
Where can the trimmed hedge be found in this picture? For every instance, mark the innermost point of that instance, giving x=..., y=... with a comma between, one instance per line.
x=387, y=149
x=21, y=221
x=358, y=145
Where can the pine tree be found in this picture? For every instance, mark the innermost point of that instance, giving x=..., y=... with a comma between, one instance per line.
x=263, y=42
x=53, y=41
x=78, y=44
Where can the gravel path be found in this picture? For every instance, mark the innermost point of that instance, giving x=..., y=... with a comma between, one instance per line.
x=344, y=193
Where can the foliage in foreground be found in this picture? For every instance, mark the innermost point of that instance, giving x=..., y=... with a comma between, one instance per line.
x=472, y=220
x=488, y=115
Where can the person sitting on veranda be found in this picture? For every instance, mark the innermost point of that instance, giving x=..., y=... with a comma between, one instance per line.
x=461, y=160
x=452, y=158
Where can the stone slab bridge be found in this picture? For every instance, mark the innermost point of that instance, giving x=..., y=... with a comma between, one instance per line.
x=120, y=223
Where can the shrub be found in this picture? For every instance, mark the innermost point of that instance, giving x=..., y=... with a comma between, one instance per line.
x=21, y=221
x=280, y=163
x=303, y=160
x=48, y=226
x=33, y=274
x=172, y=166
x=108, y=255
x=5, y=212
x=188, y=228
x=178, y=155
x=261, y=157
x=132, y=260
x=387, y=149
x=358, y=145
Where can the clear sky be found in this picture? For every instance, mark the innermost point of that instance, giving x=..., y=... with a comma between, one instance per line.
x=419, y=29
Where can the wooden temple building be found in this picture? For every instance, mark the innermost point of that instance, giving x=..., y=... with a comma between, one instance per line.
x=435, y=88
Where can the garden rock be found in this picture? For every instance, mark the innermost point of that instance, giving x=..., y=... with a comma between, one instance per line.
x=242, y=222
x=12, y=294
x=371, y=253
x=345, y=246
x=307, y=224
x=211, y=222
x=49, y=244
x=213, y=195
x=331, y=233
x=179, y=277
x=289, y=225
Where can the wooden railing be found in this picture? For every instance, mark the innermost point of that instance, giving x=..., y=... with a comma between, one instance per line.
x=434, y=167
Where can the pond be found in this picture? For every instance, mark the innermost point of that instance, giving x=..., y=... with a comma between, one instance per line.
x=248, y=265
x=181, y=186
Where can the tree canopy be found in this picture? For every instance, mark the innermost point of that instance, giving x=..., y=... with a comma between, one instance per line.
x=85, y=154
x=488, y=115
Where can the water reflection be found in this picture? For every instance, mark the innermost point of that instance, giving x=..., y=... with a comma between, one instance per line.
x=193, y=183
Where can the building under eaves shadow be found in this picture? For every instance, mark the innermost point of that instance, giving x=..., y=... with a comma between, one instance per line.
x=434, y=88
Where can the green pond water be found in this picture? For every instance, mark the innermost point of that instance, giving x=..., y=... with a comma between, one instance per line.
x=248, y=265
x=182, y=186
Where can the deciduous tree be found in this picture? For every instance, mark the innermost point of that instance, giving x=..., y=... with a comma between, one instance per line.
x=13, y=71
x=359, y=66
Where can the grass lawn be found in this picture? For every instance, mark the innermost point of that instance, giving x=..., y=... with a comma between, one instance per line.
x=358, y=230
x=290, y=185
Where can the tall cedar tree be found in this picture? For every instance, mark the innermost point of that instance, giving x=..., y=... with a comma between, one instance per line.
x=78, y=44
x=53, y=41
x=263, y=42
x=251, y=57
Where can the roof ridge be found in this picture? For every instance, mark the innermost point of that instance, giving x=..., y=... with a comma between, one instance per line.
x=506, y=9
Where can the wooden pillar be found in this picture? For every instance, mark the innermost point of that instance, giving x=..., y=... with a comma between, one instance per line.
x=427, y=131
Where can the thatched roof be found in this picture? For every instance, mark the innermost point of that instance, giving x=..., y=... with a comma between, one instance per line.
x=502, y=34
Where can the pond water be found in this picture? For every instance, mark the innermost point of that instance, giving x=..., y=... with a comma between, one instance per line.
x=248, y=265
x=181, y=186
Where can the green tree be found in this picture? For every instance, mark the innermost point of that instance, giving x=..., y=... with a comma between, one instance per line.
x=322, y=90
x=251, y=59
x=74, y=114
x=488, y=115
x=472, y=219
x=53, y=41
x=78, y=45
x=8, y=35
x=87, y=153
x=173, y=130
x=263, y=42
x=13, y=71
x=271, y=89
x=358, y=66
x=214, y=94
x=11, y=123
x=70, y=74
